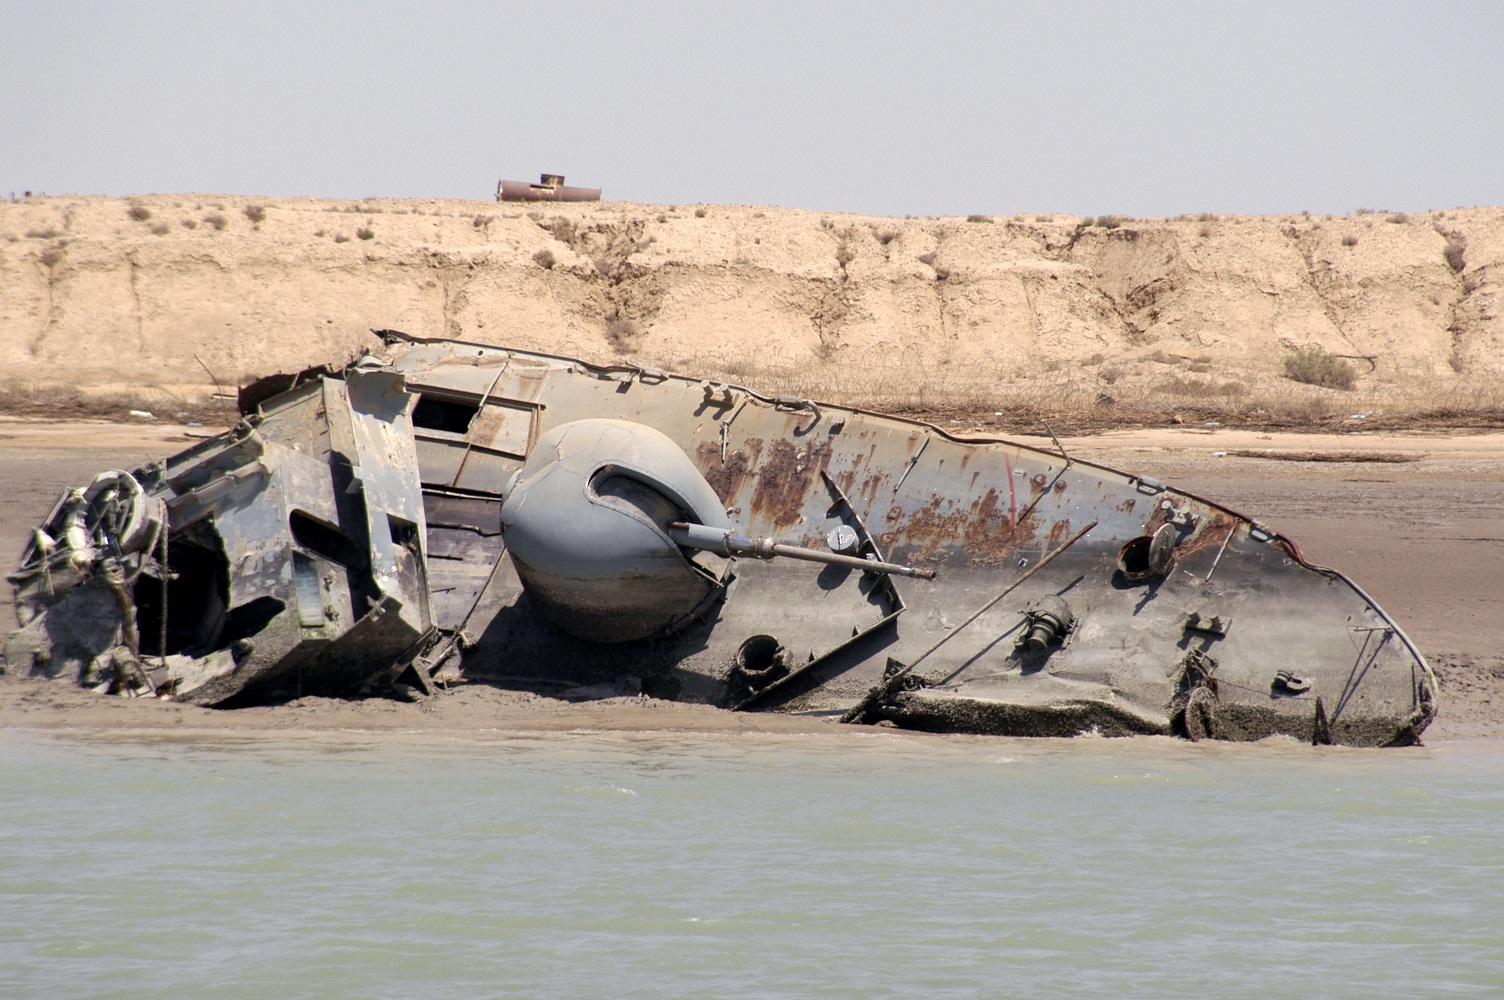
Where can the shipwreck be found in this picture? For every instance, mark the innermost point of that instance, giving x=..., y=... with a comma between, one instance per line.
x=455, y=511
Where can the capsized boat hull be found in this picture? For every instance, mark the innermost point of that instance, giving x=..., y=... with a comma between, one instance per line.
x=1169, y=614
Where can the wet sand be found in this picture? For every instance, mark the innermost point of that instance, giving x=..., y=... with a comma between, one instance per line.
x=1423, y=536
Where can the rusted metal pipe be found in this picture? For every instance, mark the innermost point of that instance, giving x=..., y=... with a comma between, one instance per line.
x=726, y=543
x=549, y=188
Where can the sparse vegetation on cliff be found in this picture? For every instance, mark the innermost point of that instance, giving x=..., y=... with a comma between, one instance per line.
x=1042, y=316
x=1313, y=366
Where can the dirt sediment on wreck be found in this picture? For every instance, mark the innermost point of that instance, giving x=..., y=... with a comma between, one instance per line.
x=153, y=299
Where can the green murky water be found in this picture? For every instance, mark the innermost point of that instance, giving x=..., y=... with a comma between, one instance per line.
x=685, y=866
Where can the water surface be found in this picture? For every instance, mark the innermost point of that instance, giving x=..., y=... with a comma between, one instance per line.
x=745, y=866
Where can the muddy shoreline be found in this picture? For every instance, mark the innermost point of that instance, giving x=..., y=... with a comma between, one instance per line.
x=1425, y=537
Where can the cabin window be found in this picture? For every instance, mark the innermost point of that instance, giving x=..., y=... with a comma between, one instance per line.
x=436, y=414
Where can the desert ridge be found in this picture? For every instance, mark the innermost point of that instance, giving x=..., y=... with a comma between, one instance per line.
x=169, y=294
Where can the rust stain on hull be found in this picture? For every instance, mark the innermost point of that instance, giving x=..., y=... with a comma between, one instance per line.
x=784, y=478
x=982, y=531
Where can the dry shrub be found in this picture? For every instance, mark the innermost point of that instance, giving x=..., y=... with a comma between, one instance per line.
x=622, y=334
x=366, y=233
x=139, y=212
x=41, y=234
x=1399, y=219
x=1454, y=254
x=979, y=218
x=160, y=229
x=256, y=213
x=1313, y=366
x=844, y=254
x=563, y=230
x=342, y=238
x=699, y=213
x=545, y=259
x=1112, y=221
x=1349, y=240
x=885, y=236
x=216, y=220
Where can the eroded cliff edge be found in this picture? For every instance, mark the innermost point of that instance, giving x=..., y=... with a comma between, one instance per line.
x=148, y=294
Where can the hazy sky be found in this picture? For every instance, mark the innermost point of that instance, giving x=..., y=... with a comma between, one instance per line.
x=1087, y=107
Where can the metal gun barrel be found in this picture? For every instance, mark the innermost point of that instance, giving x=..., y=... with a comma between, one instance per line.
x=728, y=543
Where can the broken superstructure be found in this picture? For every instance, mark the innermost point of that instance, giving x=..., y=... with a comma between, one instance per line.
x=536, y=521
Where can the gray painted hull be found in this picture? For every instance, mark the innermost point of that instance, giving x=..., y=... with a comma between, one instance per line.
x=1235, y=636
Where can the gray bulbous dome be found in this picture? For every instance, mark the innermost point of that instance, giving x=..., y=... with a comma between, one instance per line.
x=585, y=521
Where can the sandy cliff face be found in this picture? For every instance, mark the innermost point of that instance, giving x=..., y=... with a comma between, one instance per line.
x=104, y=292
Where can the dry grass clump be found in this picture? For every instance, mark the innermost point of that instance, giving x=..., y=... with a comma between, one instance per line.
x=979, y=218
x=1349, y=240
x=41, y=234
x=1198, y=388
x=1313, y=366
x=160, y=229
x=139, y=213
x=545, y=259
x=366, y=233
x=914, y=382
x=66, y=402
x=256, y=213
x=218, y=221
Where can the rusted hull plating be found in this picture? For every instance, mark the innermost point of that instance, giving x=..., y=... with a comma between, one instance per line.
x=1171, y=615
x=552, y=188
